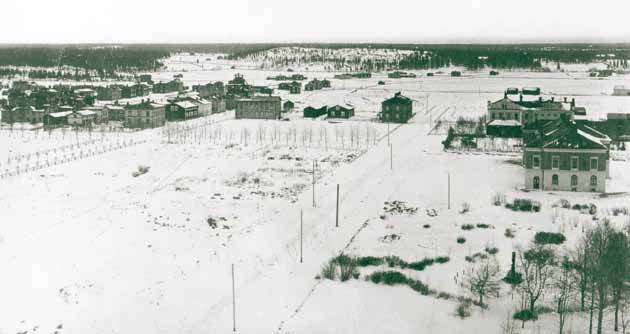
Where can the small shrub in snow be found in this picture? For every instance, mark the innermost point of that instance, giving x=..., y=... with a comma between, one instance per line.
x=463, y=309
x=468, y=227
x=515, y=278
x=461, y=240
x=482, y=226
x=544, y=238
x=418, y=286
x=524, y=204
x=444, y=295
x=329, y=270
x=442, y=259
x=492, y=250
x=141, y=171
x=465, y=208
x=563, y=203
x=420, y=265
x=426, y=226
x=509, y=233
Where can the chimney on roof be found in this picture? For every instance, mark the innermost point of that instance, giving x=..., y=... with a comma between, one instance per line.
x=520, y=97
x=552, y=99
x=540, y=99
x=565, y=99
x=505, y=94
x=572, y=103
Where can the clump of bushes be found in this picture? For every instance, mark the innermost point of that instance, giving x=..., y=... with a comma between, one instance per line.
x=141, y=171
x=616, y=211
x=393, y=277
x=545, y=238
x=426, y=226
x=399, y=207
x=468, y=227
x=492, y=250
x=509, y=233
x=476, y=256
x=482, y=226
x=342, y=266
x=524, y=204
x=525, y=315
x=461, y=240
x=513, y=278
x=395, y=261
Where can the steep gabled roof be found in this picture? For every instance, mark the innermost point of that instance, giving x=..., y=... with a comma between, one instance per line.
x=570, y=135
x=398, y=98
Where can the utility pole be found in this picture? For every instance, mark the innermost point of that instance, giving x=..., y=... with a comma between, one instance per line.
x=301, y=236
x=233, y=303
x=387, y=133
x=337, y=210
x=314, y=163
x=449, y=190
x=391, y=157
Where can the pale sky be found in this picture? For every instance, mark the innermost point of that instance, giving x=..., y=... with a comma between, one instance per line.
x=208, y=21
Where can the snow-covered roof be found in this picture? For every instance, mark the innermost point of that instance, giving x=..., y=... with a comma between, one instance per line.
x=185, y=104
x=60, y=114
x=86, y=112
x=505, y=122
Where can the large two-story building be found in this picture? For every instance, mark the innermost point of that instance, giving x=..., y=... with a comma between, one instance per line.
x=567, y=157
x=259, y=107
x=396, y=109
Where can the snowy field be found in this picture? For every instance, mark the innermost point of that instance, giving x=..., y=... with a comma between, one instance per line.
x=87, y=247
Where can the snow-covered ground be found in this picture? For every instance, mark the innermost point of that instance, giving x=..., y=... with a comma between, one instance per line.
x=87, y=247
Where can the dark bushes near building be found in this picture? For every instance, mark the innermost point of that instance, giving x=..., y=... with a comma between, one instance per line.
x=523, y=204
x=468, y=227
x=545, y=238
x=525, y=315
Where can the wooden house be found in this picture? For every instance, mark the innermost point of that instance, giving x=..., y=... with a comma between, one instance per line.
x=396, y=109
x=313, y=112
x=340, y=111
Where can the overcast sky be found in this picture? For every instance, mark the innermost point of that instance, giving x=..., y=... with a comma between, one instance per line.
x=206, y=21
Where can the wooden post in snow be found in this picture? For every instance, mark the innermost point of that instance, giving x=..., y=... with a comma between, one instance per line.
x=387, y=133
x=314, y=183
x=391, y=157
x=337, y=210
x=233, y=303
x=301, y=236
x=449, y=191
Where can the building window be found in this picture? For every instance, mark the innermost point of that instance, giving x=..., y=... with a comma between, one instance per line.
x=555, y=162
x=574, y=180
x=536, y=182
x=536, y=161
x=574, y=163
x=593, y=180
x=554, y=179
x=594, y=163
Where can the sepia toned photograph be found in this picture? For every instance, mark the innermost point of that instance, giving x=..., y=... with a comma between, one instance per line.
x=327, y=167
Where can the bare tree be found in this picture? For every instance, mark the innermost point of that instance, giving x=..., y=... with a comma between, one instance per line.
x=509, y=326
x=482, y=280
x=537, y=268
x=565, y=288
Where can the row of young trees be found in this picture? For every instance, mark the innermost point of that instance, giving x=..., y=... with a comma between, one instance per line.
x=593, y=278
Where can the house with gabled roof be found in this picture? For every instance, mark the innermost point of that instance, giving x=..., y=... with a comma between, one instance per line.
x=567, y=156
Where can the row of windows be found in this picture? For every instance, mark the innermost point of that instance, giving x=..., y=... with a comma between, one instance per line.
x=574, y=164
x=573, y=181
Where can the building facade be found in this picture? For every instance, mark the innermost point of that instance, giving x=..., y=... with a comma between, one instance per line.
x=339, y=111
x=567, y=157
x=397, y=109
x=259, y=107
x=144, y=115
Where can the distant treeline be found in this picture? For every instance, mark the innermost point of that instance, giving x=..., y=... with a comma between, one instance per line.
x=106, y=60
x=475, y=56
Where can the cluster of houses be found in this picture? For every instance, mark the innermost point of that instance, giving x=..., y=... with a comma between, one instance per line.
x=562, y=149
x=292, y=77
x=400, y=74
x=336, y=111
x=359, y=75
x=316, y=84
